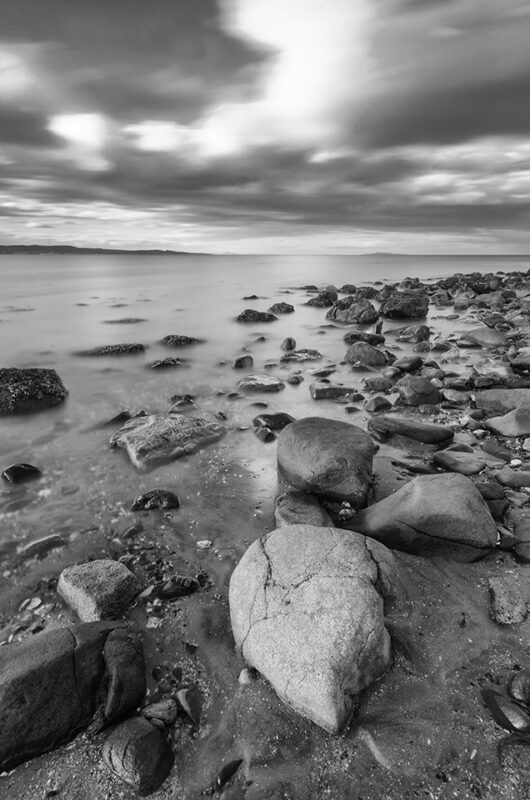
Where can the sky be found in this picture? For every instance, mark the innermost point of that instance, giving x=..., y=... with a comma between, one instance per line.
x=266, y=126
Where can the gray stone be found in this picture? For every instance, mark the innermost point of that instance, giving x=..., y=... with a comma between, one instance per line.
x=176, y=340
x=432, y=515
x=353, y=311
x=328, y=458
x=98, y=590
x=29, y=389
x=409, y=305
x=301, y=355
x=251, y=315
x=514, y=423
x=260, y=383
x=243, y=362
x=288, y=344
x=465, y=463
x=159, y=438
x=329, y=391
x=365, y=354
x=126, y=349
x=412, y=428
x=306, y=606
x=500, y=401
x=485, y=337
x=139, y=754
x=281, y=308
x=300, y=508
x=416, y=391
x=50, y=685
x=508, y=606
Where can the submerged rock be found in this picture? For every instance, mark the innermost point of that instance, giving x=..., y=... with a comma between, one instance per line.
x=329, y=458
x=281, y=308
x=97, y=590
x=139, y=754
x=166, y=363
x=114, y=350
x=288, y=344
x=301, y=355
x=314, y=627
x=432, y=515
x=50, y=683
x=176, y=340
x=243, y=362
x=300, y=508
x=251, y=315
x=29, y=389
x=158, y=438
x=260, y=383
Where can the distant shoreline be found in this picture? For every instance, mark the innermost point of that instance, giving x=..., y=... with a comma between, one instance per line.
x=65, y=250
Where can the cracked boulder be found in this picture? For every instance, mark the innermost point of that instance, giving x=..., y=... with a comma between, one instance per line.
x=160, y=438
x=432, y=515
x=329, y=458
x=306, y=606
x=51, y=685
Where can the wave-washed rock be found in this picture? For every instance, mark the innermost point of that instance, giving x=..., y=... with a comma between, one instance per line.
x=114, y=350
x=176, y=340
x=408, y=305
x=260, y=383
x=411, y=427
x=29, y=389
x=353, y=310
x=306, y=606
x=432, y=515
x=158, y=438
x=251, y=315
x=332, y=459
x=50, y=683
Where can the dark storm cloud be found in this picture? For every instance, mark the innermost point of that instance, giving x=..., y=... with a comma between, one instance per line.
x=23, y=127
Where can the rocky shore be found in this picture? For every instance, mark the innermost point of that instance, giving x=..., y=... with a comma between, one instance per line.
x=366, y=637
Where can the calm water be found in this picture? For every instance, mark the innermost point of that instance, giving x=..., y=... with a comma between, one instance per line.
x=52, y=307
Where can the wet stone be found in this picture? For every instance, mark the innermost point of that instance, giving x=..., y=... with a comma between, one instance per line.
x=114, y=350
x=29, y=389
x=251, y=315
x=243, y=362
x=139, y=754
x=18, y=473
x=508, y=606
x=155, y=499
x=97, y=590
x=176, y=340
x=260, y=383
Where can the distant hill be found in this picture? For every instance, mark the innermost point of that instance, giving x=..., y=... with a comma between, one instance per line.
x=70, y=250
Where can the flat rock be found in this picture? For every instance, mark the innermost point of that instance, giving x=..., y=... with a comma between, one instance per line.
x=328, y=458
x=485, y=337
x=461, y=462
x=166, y=363
x=314, y=626
x=159, y=438
x=516, y=479
x=98, y=590
x=411, y=427
x=251, y=315
x=432, y=515
x=138, y=753
x=301, y=355
x=500, y=401
x=29, y=389
x=329, y=391
x=508, y=606
x=260, y=383
x=514, y=423
x=125, y=349
x=416, y=391
x=300, y=508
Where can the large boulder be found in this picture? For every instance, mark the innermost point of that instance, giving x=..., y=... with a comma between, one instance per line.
x=138, y=753
x=300, y=508
x=29, y=389
x=353, y=311
x=306, y=606
x=51, y=686
x=406, y=305
x=432, y=515
x=160, y=438
x=101, y=589
x=329, y=458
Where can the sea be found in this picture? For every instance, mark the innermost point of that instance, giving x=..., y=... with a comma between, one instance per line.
x=53, y=307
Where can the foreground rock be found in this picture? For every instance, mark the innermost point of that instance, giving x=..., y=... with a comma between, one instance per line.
x=411, y=427
x=432, y=515
x=300, y=508
x=260, y=383
x=50, y=683
x=29, y=389
x=314, y=627
x=114, y=350
x=139, y=754
x=329, y=458
x=366, y=355
x=98, y=590
x=158, y=438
